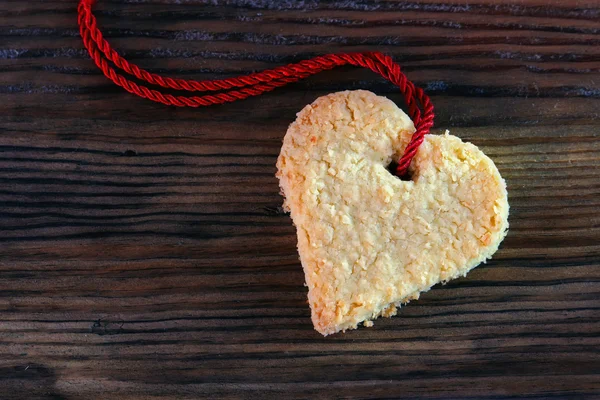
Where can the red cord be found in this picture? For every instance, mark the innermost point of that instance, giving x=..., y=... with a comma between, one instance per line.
x=254, y=84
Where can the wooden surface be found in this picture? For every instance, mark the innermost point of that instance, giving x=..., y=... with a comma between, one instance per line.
x=143, y=253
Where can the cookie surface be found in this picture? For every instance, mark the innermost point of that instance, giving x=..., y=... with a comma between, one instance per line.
x=367, y=240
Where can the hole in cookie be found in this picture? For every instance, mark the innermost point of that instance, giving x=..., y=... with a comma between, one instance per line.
x=392, y=170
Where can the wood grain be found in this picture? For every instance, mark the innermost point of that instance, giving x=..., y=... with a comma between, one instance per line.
x=144, y=253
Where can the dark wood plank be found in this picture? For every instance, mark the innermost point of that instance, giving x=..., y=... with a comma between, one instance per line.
x=143, y=251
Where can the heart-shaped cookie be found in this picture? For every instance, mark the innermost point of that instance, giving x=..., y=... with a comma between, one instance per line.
x=368, y=241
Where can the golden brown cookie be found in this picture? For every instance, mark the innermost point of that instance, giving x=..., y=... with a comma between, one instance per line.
x=368, y=241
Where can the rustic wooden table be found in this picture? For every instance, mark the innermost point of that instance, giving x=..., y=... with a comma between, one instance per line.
x=143, y=252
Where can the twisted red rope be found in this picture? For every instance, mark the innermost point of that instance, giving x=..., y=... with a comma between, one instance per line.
x=254, y=84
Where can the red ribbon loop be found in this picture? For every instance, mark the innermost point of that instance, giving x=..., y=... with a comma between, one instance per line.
x=241, y=87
